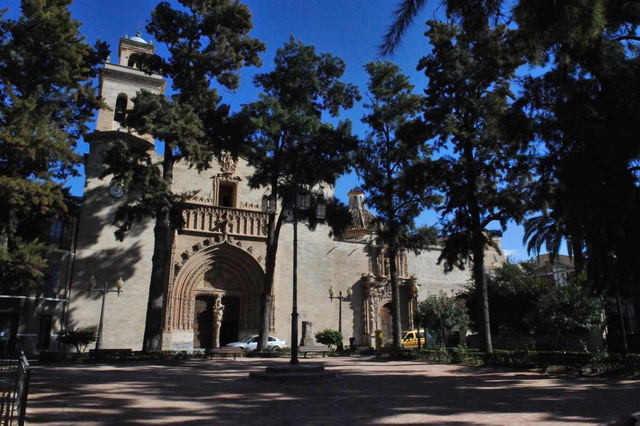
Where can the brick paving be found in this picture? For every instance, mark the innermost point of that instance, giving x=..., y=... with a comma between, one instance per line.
x=212, y=392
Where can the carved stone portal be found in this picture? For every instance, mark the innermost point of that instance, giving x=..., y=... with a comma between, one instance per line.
x=216, y=271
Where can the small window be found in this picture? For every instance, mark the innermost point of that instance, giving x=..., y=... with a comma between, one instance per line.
x=226, y=195
x=131, y=63
x=121, y=108
x=271, y=339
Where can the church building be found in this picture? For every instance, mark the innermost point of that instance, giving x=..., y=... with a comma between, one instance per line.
x=218, y=258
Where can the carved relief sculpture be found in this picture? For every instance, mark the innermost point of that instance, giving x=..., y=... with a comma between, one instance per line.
x=227, y=163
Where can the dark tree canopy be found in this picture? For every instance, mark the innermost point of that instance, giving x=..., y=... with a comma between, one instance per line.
x=46, y=100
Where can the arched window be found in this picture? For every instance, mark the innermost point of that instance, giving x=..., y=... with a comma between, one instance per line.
x=131, y=63
x=121, y=108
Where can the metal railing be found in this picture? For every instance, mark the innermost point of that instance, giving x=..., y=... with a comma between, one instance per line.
x=14, y=390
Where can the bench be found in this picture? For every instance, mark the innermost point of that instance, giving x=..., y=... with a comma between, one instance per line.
x=224, y=351
x=543, y=360
x=313, y=350
x=110, y=354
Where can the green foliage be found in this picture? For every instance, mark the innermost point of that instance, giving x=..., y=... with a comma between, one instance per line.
x=46, y=100
x=329, y=337
x=523, y=304
x=79, y=338
x=394, y=166
x=482, y=141
x=443, y=314
x=23, y=264
x=513, y=297
x=293, y=145
x=568, y=309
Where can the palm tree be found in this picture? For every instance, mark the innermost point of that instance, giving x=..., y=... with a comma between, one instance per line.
x=403, y=17
x=473, y=15
x=550, y=230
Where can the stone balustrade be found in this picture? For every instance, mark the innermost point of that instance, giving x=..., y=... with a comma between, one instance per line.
x=225, y=220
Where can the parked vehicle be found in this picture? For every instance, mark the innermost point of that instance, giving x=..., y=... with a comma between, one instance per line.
x=410, y=339
x=251, y=343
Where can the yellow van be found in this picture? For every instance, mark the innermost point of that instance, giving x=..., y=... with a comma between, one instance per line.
x=410, y=339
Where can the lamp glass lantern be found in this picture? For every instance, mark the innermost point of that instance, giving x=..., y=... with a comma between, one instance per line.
x=268, y=204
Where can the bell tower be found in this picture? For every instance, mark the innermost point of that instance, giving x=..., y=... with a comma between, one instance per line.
x=120, y=81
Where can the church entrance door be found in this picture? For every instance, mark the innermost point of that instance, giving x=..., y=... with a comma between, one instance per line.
x=230, y=320
x=203, y=322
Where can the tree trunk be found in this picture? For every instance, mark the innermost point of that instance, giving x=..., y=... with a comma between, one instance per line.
x=480, y=280
x=395, y=299
x=273, y=234
x=163, y=235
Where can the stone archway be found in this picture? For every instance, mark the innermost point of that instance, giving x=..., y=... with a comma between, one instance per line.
x=218, y=272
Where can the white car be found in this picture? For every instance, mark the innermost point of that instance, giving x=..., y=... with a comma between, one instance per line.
x=251, y=343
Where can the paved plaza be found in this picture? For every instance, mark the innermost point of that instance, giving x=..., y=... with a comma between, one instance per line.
x=219, y=392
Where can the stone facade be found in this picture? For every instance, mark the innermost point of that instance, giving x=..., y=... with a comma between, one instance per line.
x=218, y=258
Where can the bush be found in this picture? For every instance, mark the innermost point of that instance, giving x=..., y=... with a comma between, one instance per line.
x=329, y=337
x=80, y=338
x=443, y=314
x=568, y=309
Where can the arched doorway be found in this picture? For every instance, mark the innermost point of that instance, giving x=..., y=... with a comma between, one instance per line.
x=216, y=293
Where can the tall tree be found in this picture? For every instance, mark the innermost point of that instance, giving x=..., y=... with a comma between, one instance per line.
x=481, y=140
x=586, y=111
x=206, y=41
x=294, y=145
x=46, y=101
x=392, y=162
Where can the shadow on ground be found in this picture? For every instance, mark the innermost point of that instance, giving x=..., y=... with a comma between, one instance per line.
x=218, y=392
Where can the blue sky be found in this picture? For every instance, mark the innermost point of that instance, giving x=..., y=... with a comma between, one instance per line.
x=350, y=29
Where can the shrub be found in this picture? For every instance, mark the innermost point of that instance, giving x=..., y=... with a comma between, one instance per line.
x=443, y=314
x=80, y=338
x=329, y=337
x=568, y=309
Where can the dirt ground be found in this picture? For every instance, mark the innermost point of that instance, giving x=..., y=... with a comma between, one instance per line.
x=400, y=392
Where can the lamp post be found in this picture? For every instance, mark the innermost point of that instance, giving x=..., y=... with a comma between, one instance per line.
x=301, y=200
x=104, y=290
x=340, y=297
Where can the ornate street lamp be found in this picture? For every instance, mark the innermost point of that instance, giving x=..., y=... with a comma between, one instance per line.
x=104, y=290
x=340, y=297
x=301, y=200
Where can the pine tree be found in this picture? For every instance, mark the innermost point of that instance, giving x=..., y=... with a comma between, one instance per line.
x=294, y=146
x=206, y=41
x=46, y=101
x=393, y=164
x=484, y=163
